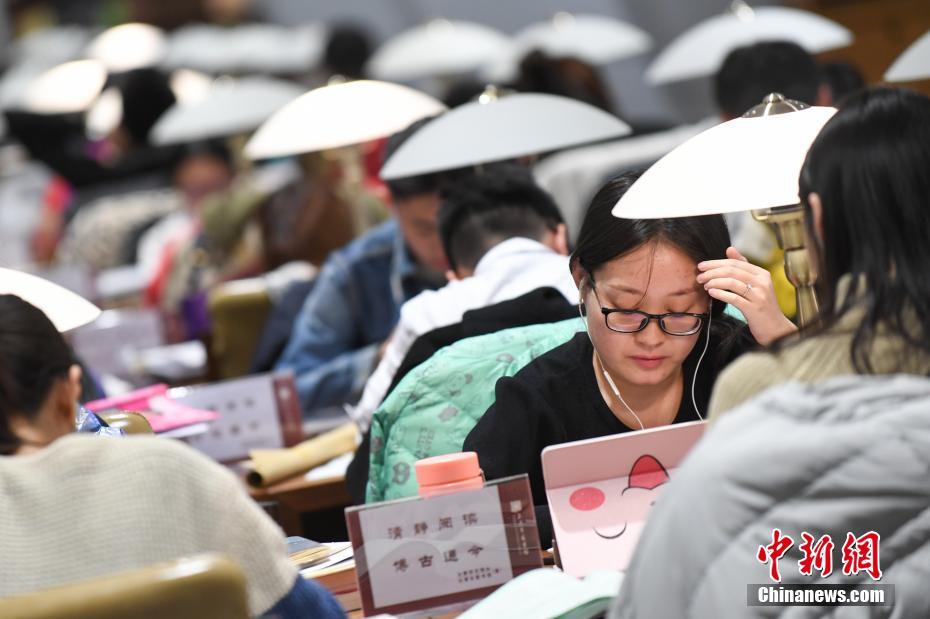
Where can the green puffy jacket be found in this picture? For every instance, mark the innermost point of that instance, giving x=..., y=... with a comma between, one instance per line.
x=436, y=405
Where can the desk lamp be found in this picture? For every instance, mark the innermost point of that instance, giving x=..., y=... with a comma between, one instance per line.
x=913, y=64
x=500, y=128
x=749, y=163
x=701, y=50
x=439, y=47
x=594, y=39
x=128, y=46
x=64, y=308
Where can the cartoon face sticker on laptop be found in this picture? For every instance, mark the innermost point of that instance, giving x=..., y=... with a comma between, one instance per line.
x=590, y=503
x=601, y=492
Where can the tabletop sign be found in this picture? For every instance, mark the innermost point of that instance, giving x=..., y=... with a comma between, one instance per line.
x=419, y=554
x=256, y=412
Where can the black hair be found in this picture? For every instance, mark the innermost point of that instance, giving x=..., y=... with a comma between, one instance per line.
x=213, y=148
x=33, y=355
x=870, y=165
x=499, y=202
x=462, y=91
x=347, y=51
x=751, y=72
x=146, y=96
x=842, y=79
x=404, y=188
x=604, y=237
x=566, y=76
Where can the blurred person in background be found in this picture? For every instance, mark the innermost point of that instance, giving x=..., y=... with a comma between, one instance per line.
x=347, y=51
x=841, y=79
x=87, y=171
x=336, y=340
x=563, y=76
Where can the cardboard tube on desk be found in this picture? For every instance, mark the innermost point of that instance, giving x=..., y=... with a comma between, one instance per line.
x=273, y=465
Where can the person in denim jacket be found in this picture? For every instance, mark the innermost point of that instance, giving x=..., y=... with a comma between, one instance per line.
x=355, y=304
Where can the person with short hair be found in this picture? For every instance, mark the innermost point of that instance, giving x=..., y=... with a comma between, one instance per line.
x=504, y=237
x=77, y=506
x=751, y=72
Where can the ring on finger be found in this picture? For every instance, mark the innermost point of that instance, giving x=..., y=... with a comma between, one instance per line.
x=748, y=289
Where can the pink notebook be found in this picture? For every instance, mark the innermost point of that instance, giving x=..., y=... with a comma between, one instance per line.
x=162, y=412
x=601, y=490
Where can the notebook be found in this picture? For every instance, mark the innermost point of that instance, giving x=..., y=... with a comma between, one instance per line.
x=601, y=490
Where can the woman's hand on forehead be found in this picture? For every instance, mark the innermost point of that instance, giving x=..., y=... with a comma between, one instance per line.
x=749, y=288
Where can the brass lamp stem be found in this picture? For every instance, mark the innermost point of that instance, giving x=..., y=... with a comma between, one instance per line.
x=788, y=221
x=791, y=233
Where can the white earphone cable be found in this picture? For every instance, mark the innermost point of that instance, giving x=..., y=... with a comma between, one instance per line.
x=610, y=381
x=710, y=320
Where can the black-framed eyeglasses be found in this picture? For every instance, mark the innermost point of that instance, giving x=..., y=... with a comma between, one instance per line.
x=632, y=321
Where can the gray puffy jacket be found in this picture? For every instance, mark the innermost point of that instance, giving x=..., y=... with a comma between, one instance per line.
x=851, y=454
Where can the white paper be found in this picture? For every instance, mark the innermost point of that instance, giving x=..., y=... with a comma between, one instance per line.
x=334, y=468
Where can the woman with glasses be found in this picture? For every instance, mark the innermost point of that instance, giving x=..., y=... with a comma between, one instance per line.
x=653, y=294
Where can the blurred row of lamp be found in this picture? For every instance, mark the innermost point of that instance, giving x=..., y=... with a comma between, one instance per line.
x=750, y=163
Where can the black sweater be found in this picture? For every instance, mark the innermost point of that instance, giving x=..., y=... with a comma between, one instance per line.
x=556, y=399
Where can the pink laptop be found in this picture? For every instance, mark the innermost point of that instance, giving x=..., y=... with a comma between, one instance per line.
x=600, y=491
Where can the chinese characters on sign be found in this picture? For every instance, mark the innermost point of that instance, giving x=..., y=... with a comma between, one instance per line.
x=417, y=550
x=421, y=528
x=859, y=554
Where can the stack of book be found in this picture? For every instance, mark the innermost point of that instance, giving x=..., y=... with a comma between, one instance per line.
x=332, y=565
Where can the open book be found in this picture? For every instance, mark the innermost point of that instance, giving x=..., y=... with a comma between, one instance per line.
x=547, y=593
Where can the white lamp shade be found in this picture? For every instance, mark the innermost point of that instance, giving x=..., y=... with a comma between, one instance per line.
x=230, y=108
x=65, y=309
x=253, y=48
x=701, y=50
x=513, y=126
x=105, y=114
x=439, y=47
x=129, y=46
x=190, y=86
x=340, y=115
x=743, y=164
x=68, y=88
x=913, y=64
x=35, y=53
x=595, y=39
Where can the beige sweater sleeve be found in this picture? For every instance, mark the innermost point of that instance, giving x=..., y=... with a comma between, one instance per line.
x=228, y=521
x=744, y=378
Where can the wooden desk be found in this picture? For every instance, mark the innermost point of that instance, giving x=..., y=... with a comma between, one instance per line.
x=296, y=496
